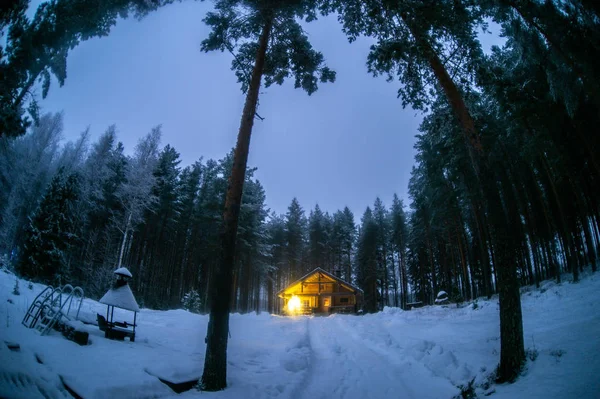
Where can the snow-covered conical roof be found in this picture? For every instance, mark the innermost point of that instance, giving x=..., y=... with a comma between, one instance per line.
x=123, y=271
x=121, y=297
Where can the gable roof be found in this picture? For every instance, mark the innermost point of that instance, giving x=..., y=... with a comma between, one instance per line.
x=319, y=270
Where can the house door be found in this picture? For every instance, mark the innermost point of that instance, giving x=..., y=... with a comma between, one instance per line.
x=326, y=302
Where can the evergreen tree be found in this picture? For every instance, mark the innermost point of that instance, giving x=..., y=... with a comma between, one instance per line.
x=412, y=37
x=348, y=238
x=380, y=216
x=317, y=238
x=266, y=37
x=28, y=164
x=187, y=195
x=295, y=229
x=207, y=224
x=399, y=243
x=36, y=49
x=153, y=250
x=276, y=279
x=135, y=194
x=191, y=301
x=104, y=175
x=251, y=246
x=366, y=264
x=51, y=232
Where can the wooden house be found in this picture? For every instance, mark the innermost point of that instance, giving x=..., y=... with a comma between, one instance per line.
x=320, y=292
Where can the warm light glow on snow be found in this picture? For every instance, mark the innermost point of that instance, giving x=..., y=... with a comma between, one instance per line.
x=294, y=304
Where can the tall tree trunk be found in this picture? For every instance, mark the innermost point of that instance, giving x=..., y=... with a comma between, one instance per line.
x=349, y=269
x=469, y=294
x=512, y=347
x=385, y=293
x=394, y=280
x=431, y=264
x=214, y=377
x=124, y=241
x=270, y=298
x=404, y=278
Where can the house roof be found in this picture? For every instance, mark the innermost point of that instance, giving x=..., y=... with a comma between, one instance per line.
x=120, y=297
x=319, y=270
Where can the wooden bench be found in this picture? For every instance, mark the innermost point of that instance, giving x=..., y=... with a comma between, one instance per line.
x=116, y=330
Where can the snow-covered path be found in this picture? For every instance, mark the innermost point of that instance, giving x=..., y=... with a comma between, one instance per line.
x=424, y=353
x=349, y=365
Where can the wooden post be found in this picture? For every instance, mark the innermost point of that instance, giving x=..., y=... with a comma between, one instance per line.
x=319, y=274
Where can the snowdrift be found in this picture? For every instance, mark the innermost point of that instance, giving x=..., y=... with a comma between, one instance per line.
x=425, y=353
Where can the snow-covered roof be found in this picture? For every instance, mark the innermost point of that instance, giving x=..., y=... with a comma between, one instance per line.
x=123, y=271
x=120, y=297
x=319, y=270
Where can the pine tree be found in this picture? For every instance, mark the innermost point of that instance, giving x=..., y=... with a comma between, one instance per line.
x=179, y=281
x=348, y=240
x=191, y=301
x=251, y=246
x=399, y=242
x=154, y=247
x=28, y=168
x=380, y=216
x=316, y=238
x=412, y=36
x=267, y=36
x=101, y=210
x=51, y=232
x=36, y=49
x=295, y=228
x=366, y=264
x=135, y=194
x=277, y=260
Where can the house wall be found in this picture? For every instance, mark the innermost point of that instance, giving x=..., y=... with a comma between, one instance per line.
x=314, y=289
x=339, y=300
x=316, y=302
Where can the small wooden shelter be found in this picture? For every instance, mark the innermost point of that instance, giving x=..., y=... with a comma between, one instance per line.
x=119, y=296
x=320, y=292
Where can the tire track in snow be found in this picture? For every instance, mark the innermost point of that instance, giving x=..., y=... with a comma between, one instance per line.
x=439, y=361
x=342, y=366
x=308, y=374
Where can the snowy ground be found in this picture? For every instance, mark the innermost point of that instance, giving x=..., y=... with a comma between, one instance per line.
x=424, y=353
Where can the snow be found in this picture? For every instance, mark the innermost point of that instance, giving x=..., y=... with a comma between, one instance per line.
x=123, y=271
x=423, y=353
x=442, y=297
x=121, y=297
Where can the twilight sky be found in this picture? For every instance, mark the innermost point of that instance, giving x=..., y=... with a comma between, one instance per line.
x=348, y=143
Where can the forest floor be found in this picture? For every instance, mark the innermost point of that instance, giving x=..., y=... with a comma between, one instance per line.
x=423, y=353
